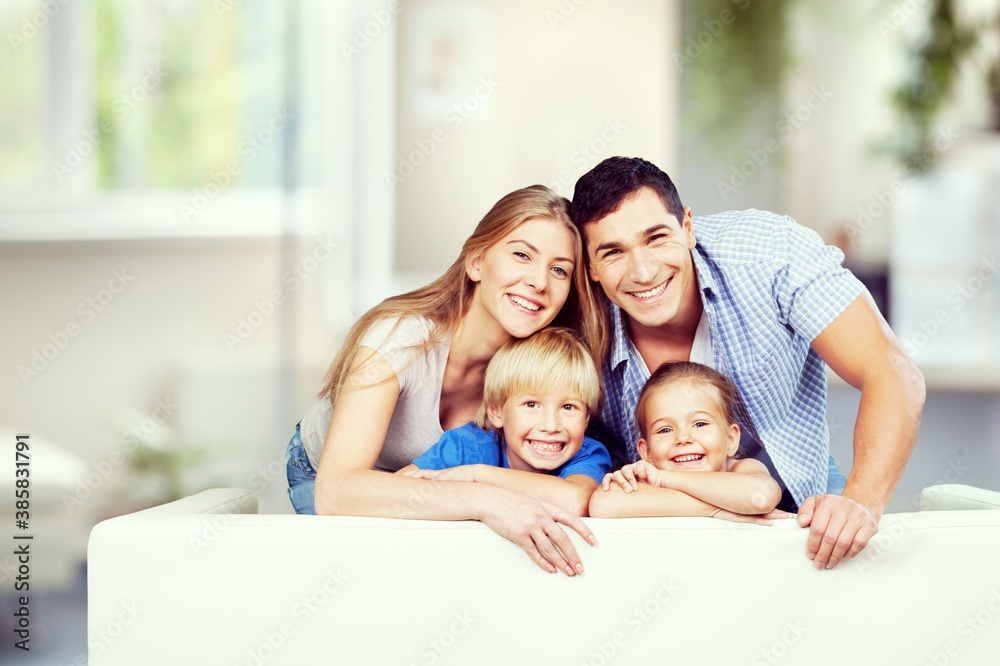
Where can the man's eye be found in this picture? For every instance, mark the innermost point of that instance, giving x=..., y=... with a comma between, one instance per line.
x=610, y=254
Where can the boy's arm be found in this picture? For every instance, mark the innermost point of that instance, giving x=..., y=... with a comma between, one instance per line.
x=747, y=488
x=571, y=493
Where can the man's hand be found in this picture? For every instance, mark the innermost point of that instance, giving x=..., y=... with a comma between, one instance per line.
x=839, y=528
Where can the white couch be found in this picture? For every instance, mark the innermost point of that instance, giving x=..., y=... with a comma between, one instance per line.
x=205, y=580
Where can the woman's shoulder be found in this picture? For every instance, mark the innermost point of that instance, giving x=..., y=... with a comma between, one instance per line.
x=397, y=332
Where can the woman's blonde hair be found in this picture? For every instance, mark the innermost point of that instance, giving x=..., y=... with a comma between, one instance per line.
x=446, y=300
x=551, y=360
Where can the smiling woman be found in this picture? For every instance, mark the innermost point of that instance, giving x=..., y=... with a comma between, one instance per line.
x=413, y=366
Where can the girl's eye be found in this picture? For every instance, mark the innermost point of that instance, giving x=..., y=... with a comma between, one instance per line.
x=700, y=424
x=664, y=430
x=560, y=271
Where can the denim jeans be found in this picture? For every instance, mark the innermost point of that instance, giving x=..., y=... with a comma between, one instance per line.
x=301, y=476
x=835, y=481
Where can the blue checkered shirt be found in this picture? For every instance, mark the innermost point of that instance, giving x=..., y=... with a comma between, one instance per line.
x=769, y=286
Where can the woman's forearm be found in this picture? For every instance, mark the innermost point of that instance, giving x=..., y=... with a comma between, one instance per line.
x=568, y=494
x=380, y=494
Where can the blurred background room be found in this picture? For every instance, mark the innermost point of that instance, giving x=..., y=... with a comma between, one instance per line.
x=199, y=197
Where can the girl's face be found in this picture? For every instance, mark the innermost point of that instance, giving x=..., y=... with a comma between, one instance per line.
x=523, y=279
x=686, y=430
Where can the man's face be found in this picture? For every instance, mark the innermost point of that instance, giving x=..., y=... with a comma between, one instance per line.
x=641, y=256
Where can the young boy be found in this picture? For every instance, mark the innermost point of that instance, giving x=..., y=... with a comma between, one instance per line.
x=538, y=397
x=686, y=419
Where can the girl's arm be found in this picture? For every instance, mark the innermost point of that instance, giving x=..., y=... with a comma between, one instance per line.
x=647, y=500
x=347, y=484
x=747, y=488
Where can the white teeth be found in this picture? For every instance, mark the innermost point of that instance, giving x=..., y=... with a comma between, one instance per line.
x=527, y=305
x=652, y=292
x=688, y=458
x=545, y=446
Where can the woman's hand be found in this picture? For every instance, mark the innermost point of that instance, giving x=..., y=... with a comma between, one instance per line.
x=533, y=524
x=460, y=473
x=630, y=475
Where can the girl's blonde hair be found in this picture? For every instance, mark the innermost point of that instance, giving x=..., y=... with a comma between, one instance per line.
x=693, y=373
x=446, y=300
x=551, y=360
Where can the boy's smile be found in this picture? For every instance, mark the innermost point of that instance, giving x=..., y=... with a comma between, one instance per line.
x=542, y=432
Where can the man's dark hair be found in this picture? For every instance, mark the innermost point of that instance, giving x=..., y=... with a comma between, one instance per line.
x=601, y=191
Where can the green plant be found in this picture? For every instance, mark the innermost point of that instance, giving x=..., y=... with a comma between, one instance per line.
x=734, y=59
x=936, y=59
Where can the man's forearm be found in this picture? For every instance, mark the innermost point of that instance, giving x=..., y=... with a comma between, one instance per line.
x=886, y=429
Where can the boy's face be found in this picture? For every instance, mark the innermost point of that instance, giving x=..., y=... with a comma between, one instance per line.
x=543, y=432
x=685, y=430
x=641, y=256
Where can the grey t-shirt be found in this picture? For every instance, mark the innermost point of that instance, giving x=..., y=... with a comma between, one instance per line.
x=415, y=424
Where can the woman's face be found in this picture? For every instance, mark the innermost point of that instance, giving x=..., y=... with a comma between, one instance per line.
x=523, y=279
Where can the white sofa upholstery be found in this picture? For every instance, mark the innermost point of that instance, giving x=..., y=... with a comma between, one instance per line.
x=206, y=581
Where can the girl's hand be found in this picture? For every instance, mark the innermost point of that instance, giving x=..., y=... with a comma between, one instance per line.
x=630, y=475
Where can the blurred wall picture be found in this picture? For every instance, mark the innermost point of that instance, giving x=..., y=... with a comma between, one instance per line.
x=198, y=198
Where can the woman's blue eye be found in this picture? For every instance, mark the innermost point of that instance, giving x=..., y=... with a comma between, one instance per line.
x=561, y=271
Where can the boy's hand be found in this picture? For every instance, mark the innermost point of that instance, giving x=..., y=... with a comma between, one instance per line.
x=630, y=475
x=460, y=473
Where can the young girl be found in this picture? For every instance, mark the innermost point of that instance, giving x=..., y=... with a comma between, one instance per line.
x=413, y=366
x=686, y=419
x=539, y=395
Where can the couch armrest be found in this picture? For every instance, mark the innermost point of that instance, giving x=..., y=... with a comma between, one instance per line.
x=957, y=497
x=216, y=500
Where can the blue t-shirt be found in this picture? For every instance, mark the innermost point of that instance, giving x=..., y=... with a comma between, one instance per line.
x=471, y=445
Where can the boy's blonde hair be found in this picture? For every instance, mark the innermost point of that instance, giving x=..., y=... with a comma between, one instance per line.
x=553, y=359
x=692, y=373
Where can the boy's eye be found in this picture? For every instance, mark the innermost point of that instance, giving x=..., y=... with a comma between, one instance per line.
x=570, y=406
x=530, y=403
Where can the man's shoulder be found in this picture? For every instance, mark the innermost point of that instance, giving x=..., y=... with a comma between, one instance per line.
x=740, y=235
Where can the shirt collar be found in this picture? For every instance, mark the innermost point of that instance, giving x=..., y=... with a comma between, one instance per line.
x=619, y=340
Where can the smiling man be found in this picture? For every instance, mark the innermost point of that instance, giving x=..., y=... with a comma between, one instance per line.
x=765, y=302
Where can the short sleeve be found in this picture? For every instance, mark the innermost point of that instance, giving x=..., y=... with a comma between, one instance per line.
x=397, y=340
x=468, y=445
x=812, y=287
x=591, y=460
